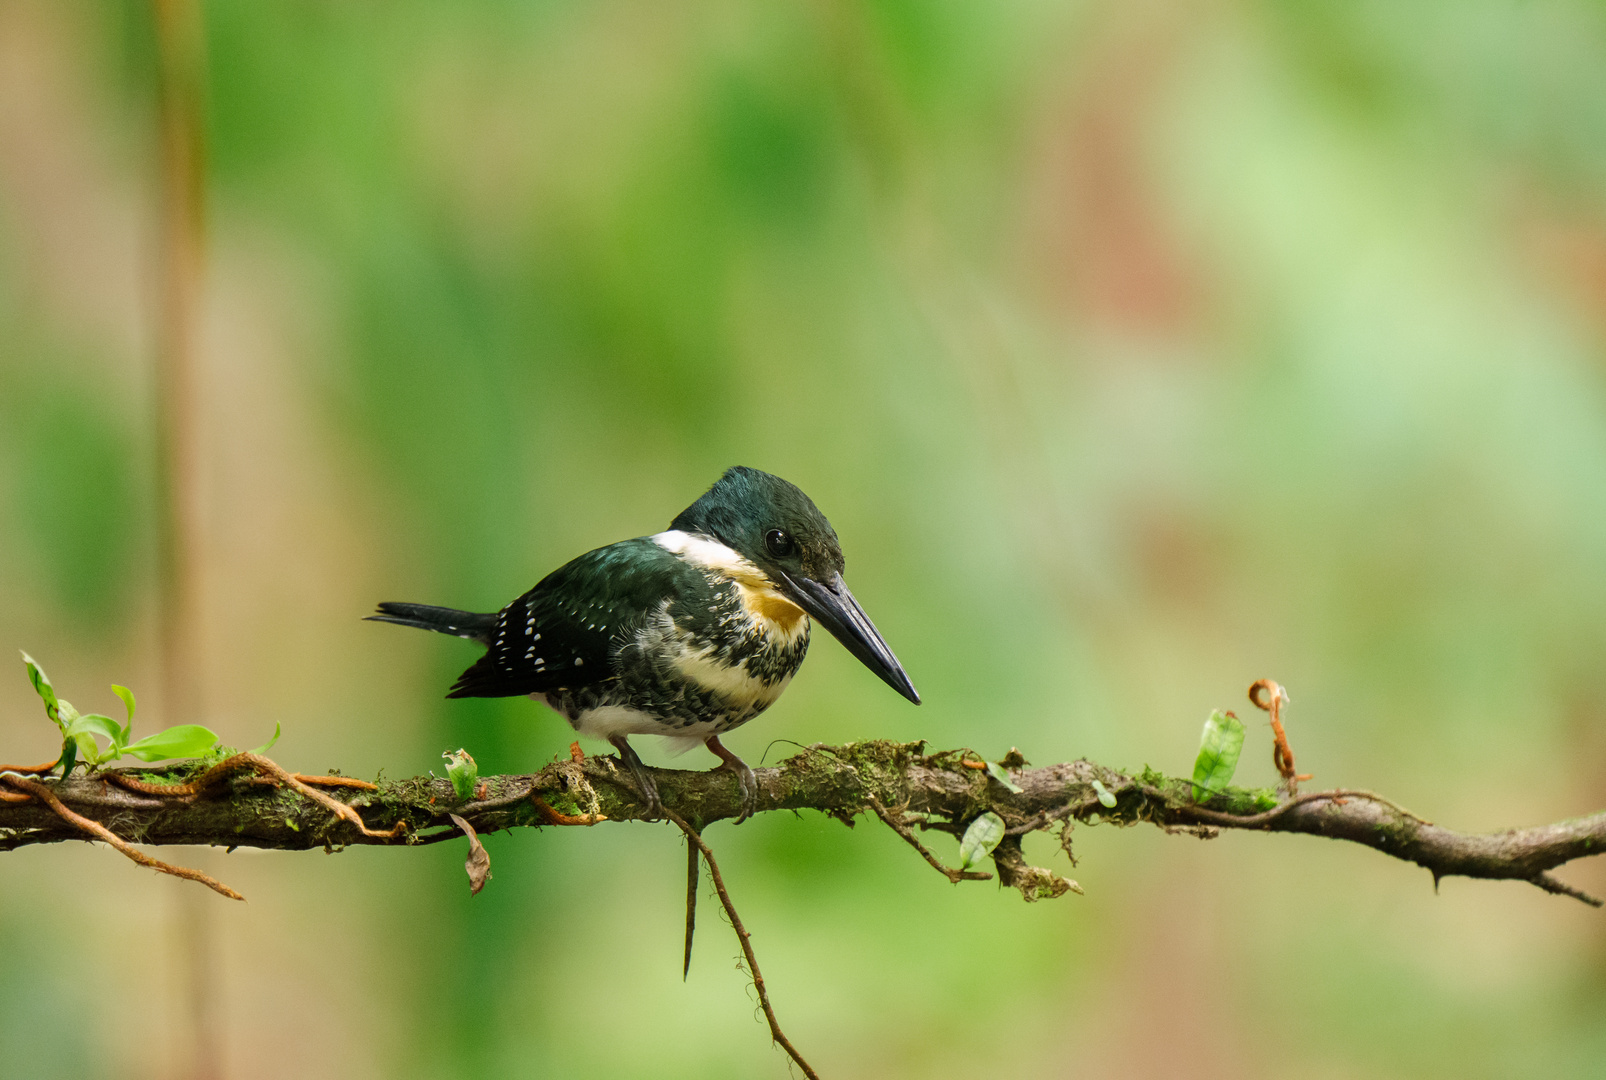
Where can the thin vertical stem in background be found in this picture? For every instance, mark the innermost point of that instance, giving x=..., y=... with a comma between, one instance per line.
x=183, y=269
x=181, y=79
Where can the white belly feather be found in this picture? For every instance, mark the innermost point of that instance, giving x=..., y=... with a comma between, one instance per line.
x=764, y=608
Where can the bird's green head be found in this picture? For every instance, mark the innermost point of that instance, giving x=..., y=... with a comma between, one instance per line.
x=767, y=521
x=777, y=528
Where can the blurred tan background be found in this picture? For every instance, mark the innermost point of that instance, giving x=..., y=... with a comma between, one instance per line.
x=1136, y=350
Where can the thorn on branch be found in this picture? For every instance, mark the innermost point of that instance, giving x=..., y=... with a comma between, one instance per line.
x=691, y=905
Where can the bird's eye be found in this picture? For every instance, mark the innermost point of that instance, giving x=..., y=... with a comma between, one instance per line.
x=779, y=542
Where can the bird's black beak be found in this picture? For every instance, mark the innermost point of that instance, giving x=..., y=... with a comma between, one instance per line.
x=834, y=607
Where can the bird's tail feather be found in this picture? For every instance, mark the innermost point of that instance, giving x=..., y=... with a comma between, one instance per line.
x=443, y=620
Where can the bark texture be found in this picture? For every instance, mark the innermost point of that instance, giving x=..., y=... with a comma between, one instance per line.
x=906, y=787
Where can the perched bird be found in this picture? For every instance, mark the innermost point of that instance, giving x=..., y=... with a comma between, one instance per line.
x=688, y=633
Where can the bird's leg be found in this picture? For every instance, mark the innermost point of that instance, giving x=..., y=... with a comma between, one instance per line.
x=649, y=788
x=745, y=780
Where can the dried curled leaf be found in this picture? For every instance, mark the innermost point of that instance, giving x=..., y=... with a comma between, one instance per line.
x=478, y=863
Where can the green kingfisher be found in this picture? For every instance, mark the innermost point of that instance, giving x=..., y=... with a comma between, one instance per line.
x=687, y=633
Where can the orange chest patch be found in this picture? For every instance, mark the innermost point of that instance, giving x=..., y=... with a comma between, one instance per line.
x=772, y=607
x=764, y=602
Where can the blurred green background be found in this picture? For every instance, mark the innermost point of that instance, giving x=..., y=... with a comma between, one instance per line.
x=1136, y=351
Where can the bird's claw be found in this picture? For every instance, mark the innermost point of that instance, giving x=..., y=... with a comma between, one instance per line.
x=652, y=804
x=747, y=784
x=646, y=786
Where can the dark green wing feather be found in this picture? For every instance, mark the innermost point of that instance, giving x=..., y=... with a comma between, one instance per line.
x=568, y=630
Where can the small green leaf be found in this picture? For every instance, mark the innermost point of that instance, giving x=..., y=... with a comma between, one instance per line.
x=84, y=728
x=69, y=756
x=290, y=822
x=182, y=741
x=980, y=838
x=88, y=752
x=128, y=700
x=100, y=725
x=997, y=772
x=1106, y=796
x=42, y=687
x=1219, y=747
x=462, y=771
x=265, y=747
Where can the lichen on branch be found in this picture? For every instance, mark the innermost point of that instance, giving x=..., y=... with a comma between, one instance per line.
x=252, y=807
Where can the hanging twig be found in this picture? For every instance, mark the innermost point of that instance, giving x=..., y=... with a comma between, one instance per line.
x=43, y=793
x=747, y=946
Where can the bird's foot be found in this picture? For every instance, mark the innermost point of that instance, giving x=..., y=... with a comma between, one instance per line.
x=649, y=797
x=749, y=787
x=644, y=782
x=746, y=781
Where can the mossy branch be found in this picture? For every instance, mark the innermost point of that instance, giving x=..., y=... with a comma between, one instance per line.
x=943, y=791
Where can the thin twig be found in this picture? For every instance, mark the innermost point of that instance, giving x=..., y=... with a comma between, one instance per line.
x=30, y=770
x=1048, y=817
x=115, y=800
x=557, y=817
x=480, y=806
x=747, y=947
x=334, y=806
x=264, y=767
x=955, y=876
x=336, y=782
x=186, y=791
x=96, y=829
x=1337, y=795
